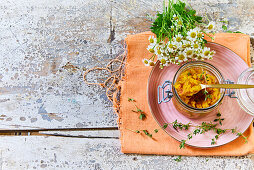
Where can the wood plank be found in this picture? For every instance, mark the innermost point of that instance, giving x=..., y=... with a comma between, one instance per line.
x=85, y=134
x=76, y=153
x=38, y=39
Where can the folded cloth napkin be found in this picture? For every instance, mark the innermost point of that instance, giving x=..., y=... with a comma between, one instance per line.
x=134, y=86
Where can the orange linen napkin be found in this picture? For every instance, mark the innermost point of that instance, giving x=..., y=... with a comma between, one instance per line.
x=134, y=86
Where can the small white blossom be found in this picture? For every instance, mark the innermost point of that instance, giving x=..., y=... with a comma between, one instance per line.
x=211, y=26
x=181, y=57
x=178, y=38
x=206, y=53
x=150, y=48
x=146, y=62
x=192, y=35
x=175, y=17
x=151, y=63
x=189, y=52
x=195, y=45
x=172, y=28
x=152, y=40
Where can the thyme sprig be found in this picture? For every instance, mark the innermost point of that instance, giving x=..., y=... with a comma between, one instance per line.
x=178, y=159
x=219, y=119
x=142, y=115
x=198, y=129
x=142, y=132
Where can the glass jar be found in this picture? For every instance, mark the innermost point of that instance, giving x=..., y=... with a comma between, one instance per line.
x=186, y=109
x=245, y=97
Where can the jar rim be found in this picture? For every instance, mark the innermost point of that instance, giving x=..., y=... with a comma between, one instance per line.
x=199, y=63
x=243, y=96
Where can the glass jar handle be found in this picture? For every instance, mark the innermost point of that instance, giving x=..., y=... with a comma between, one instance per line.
x=166, y=88
x=229, y=92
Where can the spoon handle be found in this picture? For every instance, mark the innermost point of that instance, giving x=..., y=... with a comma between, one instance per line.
x=229, y=86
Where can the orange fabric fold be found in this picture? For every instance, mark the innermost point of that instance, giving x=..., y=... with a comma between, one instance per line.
x=134, y=85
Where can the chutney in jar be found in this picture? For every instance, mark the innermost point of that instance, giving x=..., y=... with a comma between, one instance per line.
x=188, y=88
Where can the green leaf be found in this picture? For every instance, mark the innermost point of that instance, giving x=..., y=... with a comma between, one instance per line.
x=192, y=12
x=218, y=114
x=216, y=137
x=142, y=116
x=196, y=131
x=182, y=144
x=226, y=22
x=148, y=134
x=137, y=131
x=239, y=134
x=165, y=125
x=156, y=130
x=138, y=110
x=130, y=99
x=186, y=127
x=216, y=120
x=220, y=122
x=178, y=159
x=213, y=142
x=224, y=27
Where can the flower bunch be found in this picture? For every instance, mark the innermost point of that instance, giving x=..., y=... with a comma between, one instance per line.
x=179, y=36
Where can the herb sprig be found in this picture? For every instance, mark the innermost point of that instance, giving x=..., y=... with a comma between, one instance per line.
x=178, y=159
x=142, y=115
x=198, y=129
x=175, y=12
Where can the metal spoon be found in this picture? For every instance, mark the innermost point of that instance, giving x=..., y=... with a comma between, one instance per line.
x=227, y=86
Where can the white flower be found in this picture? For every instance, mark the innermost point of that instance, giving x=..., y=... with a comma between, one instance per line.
x=152, y=40
x=179, y=23
x=211, y=26
x=161, y=48
x=188, y=44
x=189, y=52
x=183, y=44
x=181, y=57
x=151, y=63
x=172, y=28
x=163, y=61
x=173, y=60
x=161, y=44
x=200, y=57
x=157, y=50
x=171, y=46
x=178, y=38
x=195, y=45
x=146, y=62
x=175, y=17
x=192, y=35
x=206, y=53
x=150, y=48
x=200, y=35
x=211, y=55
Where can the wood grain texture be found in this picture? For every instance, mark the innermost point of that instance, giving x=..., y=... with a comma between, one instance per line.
x=75, y=153
x=46, y=46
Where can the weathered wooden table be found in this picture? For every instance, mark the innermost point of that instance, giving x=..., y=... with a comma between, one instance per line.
x=45, y=47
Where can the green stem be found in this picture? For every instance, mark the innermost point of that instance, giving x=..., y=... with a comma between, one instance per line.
x=207, y=35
